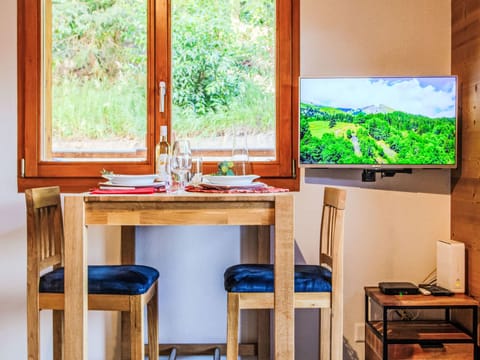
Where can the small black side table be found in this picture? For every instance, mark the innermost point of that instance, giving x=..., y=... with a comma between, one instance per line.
x=383, y=334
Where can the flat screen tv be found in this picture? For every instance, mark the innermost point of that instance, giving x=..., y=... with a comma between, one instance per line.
x=378, y=122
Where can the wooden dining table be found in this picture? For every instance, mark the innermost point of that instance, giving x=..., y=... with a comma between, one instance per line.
x=265, y=210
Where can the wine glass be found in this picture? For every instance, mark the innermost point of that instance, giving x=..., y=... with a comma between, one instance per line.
x=181, y=161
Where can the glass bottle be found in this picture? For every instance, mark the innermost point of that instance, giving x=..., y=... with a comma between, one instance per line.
x=162, y=156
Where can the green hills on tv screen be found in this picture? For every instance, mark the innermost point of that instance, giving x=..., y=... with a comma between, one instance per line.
x=384, y=121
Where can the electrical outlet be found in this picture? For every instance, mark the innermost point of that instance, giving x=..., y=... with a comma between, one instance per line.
x=359, y=334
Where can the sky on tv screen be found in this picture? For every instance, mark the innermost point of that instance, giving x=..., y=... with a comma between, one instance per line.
x=429, y=96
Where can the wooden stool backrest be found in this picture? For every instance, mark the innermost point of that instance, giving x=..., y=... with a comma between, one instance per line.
x=331, y=248
x=44, y=228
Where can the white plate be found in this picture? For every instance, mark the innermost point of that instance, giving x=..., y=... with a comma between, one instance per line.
x=252, y=186
x=131, y=180
x=108, y=184
x=233, y=180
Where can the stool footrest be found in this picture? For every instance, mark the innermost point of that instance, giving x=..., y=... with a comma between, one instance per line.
x=249, y=349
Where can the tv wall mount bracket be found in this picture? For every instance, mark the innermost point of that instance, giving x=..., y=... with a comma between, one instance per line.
x=370, y=175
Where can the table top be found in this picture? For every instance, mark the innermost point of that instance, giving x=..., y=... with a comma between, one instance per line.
x=418, y=300
x=187, y=196
x=185, y=208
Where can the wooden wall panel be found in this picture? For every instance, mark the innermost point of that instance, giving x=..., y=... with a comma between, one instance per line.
x=465, y=203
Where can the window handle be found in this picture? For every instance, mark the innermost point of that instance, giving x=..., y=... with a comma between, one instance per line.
x=163, y=91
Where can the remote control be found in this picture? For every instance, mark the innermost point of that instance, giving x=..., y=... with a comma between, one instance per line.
x=436, y=290
x=424, y=291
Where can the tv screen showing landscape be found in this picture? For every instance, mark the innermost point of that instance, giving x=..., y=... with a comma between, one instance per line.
x=385, y=122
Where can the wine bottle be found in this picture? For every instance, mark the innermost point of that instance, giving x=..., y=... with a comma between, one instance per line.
x=162, y=155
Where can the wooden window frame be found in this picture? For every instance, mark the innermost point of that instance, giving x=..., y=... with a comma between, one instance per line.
x=80, y=176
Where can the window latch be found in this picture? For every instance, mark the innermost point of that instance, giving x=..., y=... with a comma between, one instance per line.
x=163, y=91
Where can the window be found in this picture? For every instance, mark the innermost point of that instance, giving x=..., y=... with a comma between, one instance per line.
x=97, y=78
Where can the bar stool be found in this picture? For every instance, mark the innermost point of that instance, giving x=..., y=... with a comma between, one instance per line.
x=114, y=287
x=251, y=286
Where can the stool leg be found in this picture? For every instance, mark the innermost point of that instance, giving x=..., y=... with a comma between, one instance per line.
x=152, y=315
x=33, y=327
x=216, y=354
x=325, y=333
x=233, y=314
x=173, y=354
x=137, y=351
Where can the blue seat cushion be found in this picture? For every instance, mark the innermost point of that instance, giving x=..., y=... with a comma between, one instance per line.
x=106, y=279
x=259, y=278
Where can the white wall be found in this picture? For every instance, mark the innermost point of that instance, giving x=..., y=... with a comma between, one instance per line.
x=12, y=218
x=391, y=225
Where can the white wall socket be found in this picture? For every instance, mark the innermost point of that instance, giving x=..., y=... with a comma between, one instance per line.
x=359, y=334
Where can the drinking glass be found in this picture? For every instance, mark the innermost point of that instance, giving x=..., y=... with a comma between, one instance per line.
x=197, y=171
x=240, y=153
x=181, y=161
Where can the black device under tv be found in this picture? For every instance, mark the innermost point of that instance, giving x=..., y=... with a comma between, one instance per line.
x=398, y=288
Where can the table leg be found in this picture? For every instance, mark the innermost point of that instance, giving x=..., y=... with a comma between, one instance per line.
x=76, y=301
x=284, y=275
x=127, y=255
